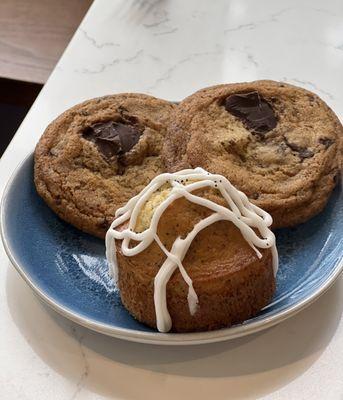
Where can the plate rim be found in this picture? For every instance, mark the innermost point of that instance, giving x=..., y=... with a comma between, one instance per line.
x=192, y=338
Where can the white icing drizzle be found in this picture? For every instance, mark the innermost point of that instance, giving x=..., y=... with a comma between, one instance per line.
x=245, y=215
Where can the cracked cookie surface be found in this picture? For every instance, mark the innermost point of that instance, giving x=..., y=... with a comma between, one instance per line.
x=280, y=144
x=97, y=155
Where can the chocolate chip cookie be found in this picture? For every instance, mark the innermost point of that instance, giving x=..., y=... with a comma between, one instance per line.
x=280, y=144
x=97, y=155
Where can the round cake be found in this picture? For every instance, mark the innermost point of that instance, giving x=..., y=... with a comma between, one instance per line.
x=97, y=155
x=189, y=267
x=279, y=144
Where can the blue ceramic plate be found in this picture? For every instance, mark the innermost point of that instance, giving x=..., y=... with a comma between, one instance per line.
x=68, y=270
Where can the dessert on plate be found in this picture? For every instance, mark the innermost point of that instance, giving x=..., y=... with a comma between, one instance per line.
x=191, y=253
x=279, y=144
x=97, y=155
x=192, y=250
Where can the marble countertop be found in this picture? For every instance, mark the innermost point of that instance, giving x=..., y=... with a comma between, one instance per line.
x=170, y=48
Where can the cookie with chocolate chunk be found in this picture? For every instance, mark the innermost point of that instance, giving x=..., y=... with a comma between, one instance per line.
x=280, y=144
x=97, y=155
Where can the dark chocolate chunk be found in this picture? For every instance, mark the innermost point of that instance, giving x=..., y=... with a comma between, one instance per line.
x=326, y=142
x=254, y=111
x=112, y=137
x=303, y=152
x=293, y=146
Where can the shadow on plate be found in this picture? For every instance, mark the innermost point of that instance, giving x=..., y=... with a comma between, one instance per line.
x=261, y=363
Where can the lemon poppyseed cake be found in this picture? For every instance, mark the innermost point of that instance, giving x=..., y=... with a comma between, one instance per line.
x=191, y=253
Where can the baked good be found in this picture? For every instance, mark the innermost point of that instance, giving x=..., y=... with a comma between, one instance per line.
x=97, y=155
x=279, y=144
x=184, y=254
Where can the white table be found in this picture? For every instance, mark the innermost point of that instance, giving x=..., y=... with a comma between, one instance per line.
x=171, y=48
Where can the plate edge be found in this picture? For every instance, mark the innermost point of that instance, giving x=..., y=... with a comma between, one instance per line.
x=195, y=338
